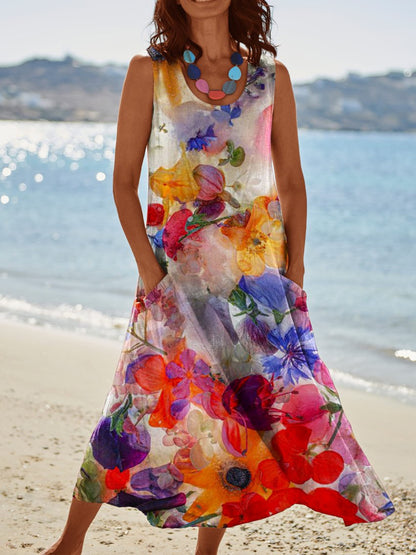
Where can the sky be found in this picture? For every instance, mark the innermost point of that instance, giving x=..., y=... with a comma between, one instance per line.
x=321, y=38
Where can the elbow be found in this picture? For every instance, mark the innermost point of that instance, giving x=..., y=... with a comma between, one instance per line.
x=293, y=183
x=123, y=189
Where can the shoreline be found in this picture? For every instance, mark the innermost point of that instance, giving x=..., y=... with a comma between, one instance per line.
x=54, y=387
x=111, y=325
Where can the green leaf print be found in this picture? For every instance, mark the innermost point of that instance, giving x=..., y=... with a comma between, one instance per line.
x=153, y=518
x=238, y=298
x=278, y=316
x=90, y=490
x=245, y=303
x=236, y=156
x=118, y=417
x=351, y=492
x=331, y=407
x=88, y=483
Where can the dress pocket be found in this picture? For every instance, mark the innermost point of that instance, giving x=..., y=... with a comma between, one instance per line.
x=294, y=286
x=143, y=300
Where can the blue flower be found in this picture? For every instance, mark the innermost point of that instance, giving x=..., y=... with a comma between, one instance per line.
x=202, y=140
x=292, y=358
x=266, y=289
x=226, y=112
x=157, y=239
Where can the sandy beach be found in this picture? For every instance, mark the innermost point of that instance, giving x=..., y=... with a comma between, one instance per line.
x=54, y=385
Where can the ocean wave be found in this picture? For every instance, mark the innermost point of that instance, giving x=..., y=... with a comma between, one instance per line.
x=406, y=353
x=402, y=392
x=76, y=318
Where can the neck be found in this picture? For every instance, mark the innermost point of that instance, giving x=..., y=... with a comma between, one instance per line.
x=212, y=34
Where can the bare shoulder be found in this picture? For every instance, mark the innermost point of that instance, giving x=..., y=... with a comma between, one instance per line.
x=283, y=80
x=137, y=93
x=138, y=85
x=141, y=69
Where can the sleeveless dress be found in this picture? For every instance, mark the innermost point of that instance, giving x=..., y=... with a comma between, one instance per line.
x=221, y=411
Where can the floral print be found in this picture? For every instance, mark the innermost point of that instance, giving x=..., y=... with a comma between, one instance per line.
x=221, y=410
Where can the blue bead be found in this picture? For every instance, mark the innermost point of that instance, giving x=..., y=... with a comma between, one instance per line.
x=189, y=56
x=229, y=87
x=234, y=73
x=236, y=59
x=194, y=72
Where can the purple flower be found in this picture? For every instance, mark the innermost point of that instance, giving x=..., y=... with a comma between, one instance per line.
x=248, y=400
x=162, y=481
x=191, y=370
x=254, y=336
x=210, y=208
x=124, y=451
x=147, y=503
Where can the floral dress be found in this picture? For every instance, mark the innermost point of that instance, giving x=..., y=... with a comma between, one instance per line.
x=221, y=410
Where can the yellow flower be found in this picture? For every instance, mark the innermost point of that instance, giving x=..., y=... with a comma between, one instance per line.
x=175, y=184
x=260, y=241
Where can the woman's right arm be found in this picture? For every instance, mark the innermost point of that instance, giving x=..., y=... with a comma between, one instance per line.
x=133, y=131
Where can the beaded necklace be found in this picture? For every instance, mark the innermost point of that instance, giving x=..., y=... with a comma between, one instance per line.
x=229, y=87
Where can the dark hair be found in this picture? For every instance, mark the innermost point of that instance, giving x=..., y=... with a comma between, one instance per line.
x=249, y=24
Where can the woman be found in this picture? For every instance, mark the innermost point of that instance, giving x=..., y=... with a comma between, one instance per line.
x=221, y=411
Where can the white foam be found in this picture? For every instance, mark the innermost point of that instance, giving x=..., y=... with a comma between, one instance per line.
x=402, y=392
x=406, y=353
x=76, y=317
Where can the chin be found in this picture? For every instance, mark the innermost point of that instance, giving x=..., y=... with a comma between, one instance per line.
x=205, y=8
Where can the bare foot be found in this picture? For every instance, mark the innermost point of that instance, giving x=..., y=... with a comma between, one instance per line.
x=59, y=549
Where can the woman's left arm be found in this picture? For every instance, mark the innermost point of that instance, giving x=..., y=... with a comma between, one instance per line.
x=288, y=172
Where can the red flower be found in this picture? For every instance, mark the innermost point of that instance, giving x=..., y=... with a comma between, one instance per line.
x=174, y=230
x=327, y=466
x=251, y=507
x=330, y=502
x=139, y=306
x=271, y=475
x=155, y=214
x=296, y=461
x=300, y=302
x=114, y=479
x=285, y=498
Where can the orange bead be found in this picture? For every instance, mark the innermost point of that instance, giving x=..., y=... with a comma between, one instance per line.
x=216, y=95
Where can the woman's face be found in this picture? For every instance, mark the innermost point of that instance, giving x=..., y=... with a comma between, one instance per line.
x=200, y=9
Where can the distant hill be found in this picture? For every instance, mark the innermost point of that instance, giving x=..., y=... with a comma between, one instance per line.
x=71, y=90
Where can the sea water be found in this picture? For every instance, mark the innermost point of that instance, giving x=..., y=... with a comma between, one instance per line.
x=65, y=262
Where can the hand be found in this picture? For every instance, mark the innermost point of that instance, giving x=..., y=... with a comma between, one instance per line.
x=296, y=275
x=149, y=282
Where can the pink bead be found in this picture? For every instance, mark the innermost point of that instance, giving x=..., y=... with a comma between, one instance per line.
x=216, y=95
x=202, y=85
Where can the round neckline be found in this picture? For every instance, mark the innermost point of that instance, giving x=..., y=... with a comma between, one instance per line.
x=212, y=106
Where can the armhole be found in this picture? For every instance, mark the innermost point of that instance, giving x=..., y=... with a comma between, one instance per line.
x=269, y=64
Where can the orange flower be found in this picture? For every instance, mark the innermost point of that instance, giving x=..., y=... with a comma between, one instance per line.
x=225, y=478
x=150, y=374
x=176, y=184
x=260, y=241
